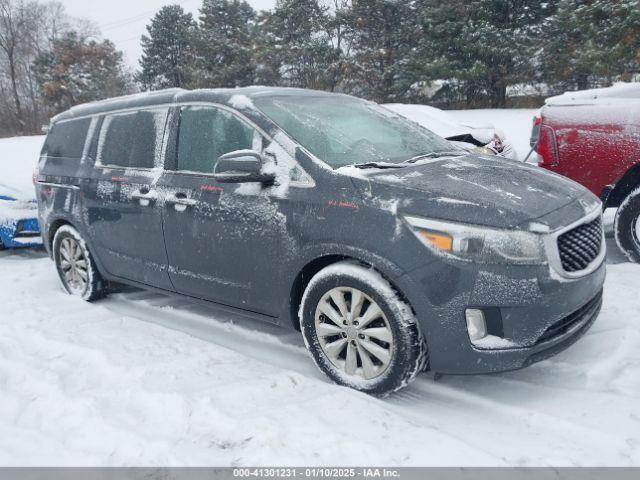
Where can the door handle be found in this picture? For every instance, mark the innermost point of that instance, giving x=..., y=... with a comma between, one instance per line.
x=144, y=197
x=180, y=202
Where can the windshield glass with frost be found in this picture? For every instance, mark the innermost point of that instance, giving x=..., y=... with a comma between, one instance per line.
x=343, y=130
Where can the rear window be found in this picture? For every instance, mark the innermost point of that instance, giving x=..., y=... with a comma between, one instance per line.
x=66, y=139
x=132, y=139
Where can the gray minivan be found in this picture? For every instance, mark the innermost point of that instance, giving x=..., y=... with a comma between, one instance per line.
x=390, y=249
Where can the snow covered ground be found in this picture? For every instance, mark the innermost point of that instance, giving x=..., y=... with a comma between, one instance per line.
x=144, y=379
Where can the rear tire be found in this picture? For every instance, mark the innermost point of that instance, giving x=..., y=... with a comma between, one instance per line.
x=359, y=330
x=627, y=226
x=75, y=265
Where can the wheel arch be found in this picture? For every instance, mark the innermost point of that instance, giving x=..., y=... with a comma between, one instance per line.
x=317, y=262
x=54, y=226
x=623, y=187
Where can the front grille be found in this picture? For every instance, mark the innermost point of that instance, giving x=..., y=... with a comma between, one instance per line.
x=567, y=323
x=579, y=247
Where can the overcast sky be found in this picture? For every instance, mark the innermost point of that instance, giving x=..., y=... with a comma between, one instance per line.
x=124, y=21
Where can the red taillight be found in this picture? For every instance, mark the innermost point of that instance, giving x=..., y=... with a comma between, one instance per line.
x=34, y=176
x=547, y=147
x=536, y=120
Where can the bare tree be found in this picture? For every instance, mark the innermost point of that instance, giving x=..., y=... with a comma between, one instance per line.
x=12, y=32
x=28, y=28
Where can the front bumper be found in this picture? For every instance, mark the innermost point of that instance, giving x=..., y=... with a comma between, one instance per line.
x=539, y=314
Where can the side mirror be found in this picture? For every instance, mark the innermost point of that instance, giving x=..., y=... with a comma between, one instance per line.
x=241, y=166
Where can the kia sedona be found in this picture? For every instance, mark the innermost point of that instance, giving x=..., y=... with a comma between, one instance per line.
x=390, y=249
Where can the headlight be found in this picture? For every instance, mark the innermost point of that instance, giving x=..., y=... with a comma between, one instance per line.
x=479, y=244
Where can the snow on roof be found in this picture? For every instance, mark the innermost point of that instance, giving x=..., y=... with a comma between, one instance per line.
x=126, y=98
x=618, y=91
x=149, y=99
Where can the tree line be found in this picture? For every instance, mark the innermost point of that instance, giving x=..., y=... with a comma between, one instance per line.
x=450, y=53
x=49, y=62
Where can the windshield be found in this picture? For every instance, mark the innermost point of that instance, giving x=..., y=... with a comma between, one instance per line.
x=342, y=130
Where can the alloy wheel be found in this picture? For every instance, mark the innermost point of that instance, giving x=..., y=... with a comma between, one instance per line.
x=354, y=333
x=73, y=265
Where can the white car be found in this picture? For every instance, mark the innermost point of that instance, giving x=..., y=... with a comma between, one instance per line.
x=471, y=136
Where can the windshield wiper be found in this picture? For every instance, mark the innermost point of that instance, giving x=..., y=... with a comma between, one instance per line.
x=377, y=165
x=433, y=155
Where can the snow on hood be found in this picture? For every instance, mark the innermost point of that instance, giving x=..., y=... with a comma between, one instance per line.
x=474, y=189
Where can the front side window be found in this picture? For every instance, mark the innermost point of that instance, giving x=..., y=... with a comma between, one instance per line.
x=342, y=130
x=206, y=133
x=132, y=139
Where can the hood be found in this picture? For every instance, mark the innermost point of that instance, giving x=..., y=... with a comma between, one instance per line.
x=481, y=190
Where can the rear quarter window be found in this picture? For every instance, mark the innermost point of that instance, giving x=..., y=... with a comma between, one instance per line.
x=67, y=139
x=132, y=139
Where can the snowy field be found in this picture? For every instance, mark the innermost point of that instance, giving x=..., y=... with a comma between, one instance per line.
x=144, y=379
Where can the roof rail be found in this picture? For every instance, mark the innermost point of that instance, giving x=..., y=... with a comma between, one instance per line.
x=133, y=96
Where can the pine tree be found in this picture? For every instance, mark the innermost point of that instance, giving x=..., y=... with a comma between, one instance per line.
x=77, y=70
x=298, y=34
x=590, y=43
x=384, y=33
x=167, y=57
x=267, y=58
x=481, y=47
x=225, y=43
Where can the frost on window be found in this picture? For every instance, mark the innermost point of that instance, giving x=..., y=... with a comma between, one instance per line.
x=342, y=130
x=132, y=139
x=67, y=139
x=206, y=133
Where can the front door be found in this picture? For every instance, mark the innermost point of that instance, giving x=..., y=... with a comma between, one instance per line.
x=224, y=241
x=124, y=214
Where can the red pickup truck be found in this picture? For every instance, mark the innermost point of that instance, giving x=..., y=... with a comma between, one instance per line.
x=593, y=137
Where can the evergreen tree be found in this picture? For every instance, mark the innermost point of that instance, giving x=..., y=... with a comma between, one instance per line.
x=77, y=70
x=167, y=57
x=384, y=33
x=225, y=43
x=481, y=46
x=267, y=58
x=589, y=43
x=340, y=35
x=298, y=32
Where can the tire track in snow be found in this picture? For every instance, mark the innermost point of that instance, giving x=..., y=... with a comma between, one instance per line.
x=426, y=403
x=265, y=346
x=528, y=417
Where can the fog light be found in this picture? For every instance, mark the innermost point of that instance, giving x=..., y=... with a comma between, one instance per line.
x=476, y=325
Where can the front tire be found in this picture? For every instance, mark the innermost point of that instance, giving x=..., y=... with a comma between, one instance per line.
x=627, y=226
x=359, y=331
x=75, y=265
